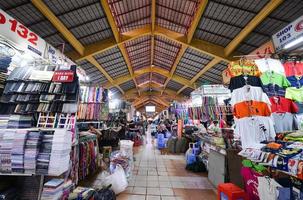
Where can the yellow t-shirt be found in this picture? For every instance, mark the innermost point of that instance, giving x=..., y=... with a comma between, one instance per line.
x=295, y=94
x=237, y=69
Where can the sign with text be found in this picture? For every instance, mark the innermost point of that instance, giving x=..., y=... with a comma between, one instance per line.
x=21, y=35
x=288, y=34
x=264, y=50
x=63, y=76
x=41, y=75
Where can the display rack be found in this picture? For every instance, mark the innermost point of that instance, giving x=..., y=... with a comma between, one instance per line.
x=61, y=118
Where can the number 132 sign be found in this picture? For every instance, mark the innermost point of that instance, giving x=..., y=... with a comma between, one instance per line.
x=13, y=30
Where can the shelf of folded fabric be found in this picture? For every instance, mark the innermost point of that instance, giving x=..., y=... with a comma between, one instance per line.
x=211, y=145
x=38, y=102
x=17, y=174
x=27, y=81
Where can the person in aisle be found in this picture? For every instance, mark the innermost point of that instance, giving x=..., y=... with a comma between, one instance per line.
x=93, y=130
x=214, y=127
x=162, y=128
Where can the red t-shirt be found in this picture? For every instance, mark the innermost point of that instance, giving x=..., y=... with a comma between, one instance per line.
x=293, y=68
x=281, y=104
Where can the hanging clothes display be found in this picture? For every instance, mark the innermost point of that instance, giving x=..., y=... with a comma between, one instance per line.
x=251, y=107
x=91, y=104
x=88, y=155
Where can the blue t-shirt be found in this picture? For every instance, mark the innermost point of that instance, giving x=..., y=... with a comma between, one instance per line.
x=295, y=81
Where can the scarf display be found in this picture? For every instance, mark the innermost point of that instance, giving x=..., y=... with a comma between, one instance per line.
x=88, y=155
x=91, y=103
x=209, y=112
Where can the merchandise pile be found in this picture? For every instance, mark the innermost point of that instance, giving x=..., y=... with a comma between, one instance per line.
x=267, y=105
x=123, y=157
x=44, y=152
x=31, y=150
x=17, y=151
x=60, y=152
x=52, y=190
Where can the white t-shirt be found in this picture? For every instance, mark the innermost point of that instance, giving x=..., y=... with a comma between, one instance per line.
x=253, y=130
x=248, y=93
x=267, y=188
x=270, y=64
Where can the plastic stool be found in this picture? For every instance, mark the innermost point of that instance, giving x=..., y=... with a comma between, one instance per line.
x=229, y=191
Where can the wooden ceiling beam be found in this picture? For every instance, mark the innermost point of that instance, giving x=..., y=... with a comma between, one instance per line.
x=55, y=21
x=174, y=67
x=94, y=62
x=158, y=70
x=70, y=37
x=200, y=10
x=116, y=33
x=197, y=44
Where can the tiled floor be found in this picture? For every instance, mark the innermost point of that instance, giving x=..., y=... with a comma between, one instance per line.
x=163, y=177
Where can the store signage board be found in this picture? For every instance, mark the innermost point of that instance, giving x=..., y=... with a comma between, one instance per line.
x=63, y=76
x=215, y=89
x=55, y=56
x=196, y=99
x=41, y=75
x=264, y=50
x=30, y=42
x=19, y=34
x=288, y=34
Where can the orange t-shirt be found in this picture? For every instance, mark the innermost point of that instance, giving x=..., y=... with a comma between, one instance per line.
x=251, y=108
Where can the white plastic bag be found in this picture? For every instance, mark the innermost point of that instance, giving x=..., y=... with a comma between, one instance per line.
x=117, y=180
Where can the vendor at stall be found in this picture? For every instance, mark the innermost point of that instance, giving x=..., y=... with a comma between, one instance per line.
x=93, y=130
x=214, y=127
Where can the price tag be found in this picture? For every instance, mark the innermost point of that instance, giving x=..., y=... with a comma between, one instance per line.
x=63, y=76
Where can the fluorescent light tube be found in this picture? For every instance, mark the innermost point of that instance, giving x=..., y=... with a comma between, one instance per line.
x=293, y=43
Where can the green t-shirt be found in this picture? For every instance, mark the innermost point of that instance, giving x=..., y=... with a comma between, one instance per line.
x=270, y=77
x=294, y=93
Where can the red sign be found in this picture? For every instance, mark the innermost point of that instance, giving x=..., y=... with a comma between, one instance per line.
x=63, y=76
x=264, y=50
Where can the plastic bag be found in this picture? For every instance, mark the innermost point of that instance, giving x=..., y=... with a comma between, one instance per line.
x=117, y=180
x=190, y=157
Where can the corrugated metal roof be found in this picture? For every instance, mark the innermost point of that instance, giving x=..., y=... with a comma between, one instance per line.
x=143, y=78
x=139, y=52
x=174, y=85
x=95, y=76
x=158, y=78
x=223, y=19
x=85, y=19
x=213, y=75
x=191, y=63
x=127, y=85
x=187, y=91
x=27, y=14
x=287, y=12
x=130, y=14
x=113, y=62
x=165, y=52
x=176, y=15
x=115, y=91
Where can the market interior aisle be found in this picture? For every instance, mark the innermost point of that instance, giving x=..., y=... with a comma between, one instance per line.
x=163, y=177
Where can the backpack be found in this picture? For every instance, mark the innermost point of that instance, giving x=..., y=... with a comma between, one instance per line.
x=104, y=194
